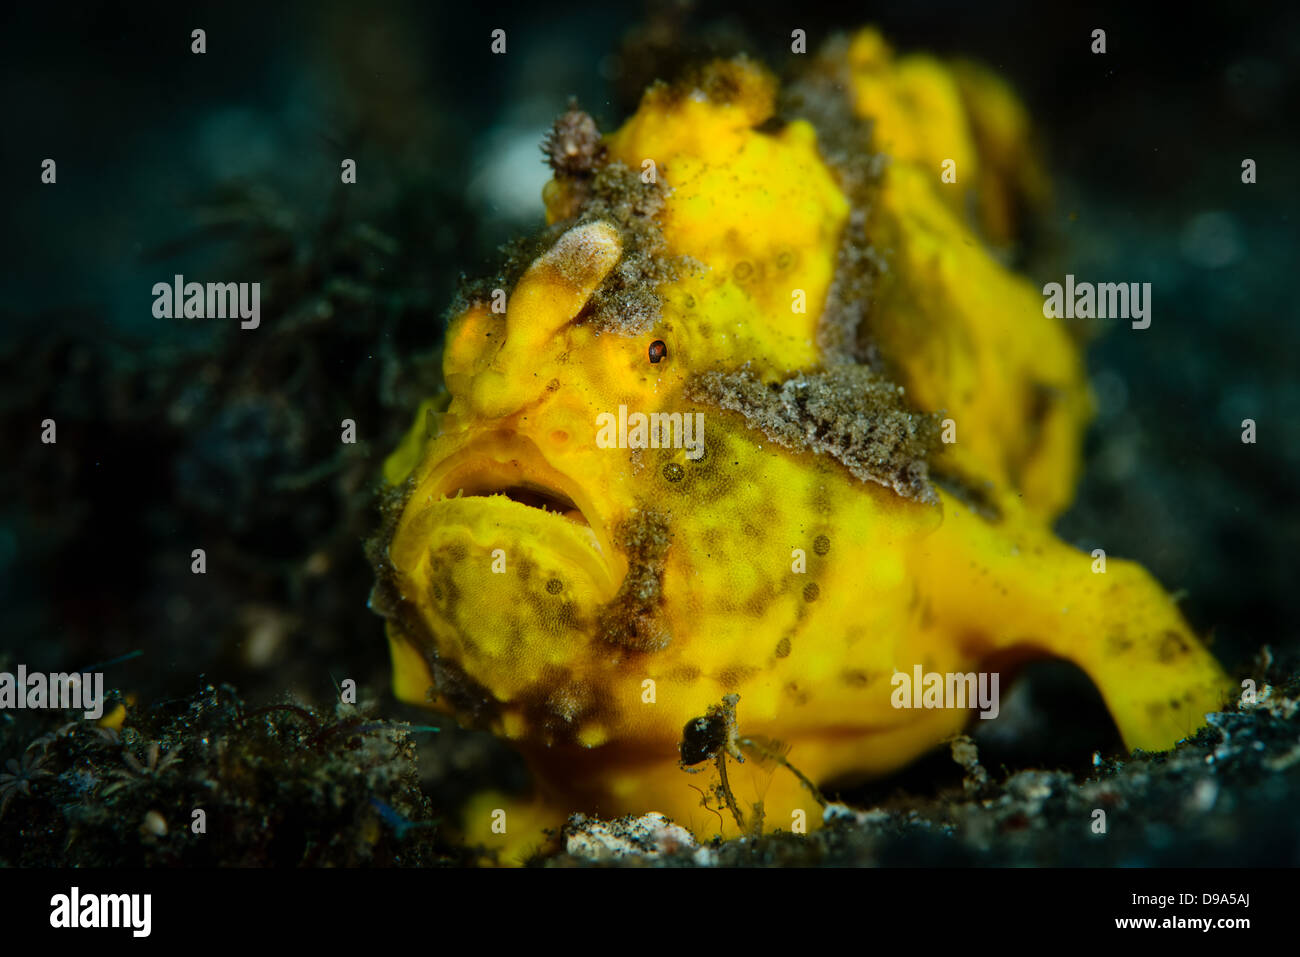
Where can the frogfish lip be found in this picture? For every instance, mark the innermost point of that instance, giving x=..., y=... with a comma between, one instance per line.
x=506, y=480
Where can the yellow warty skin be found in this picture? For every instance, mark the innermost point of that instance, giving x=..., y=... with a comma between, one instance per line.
x=891, y=584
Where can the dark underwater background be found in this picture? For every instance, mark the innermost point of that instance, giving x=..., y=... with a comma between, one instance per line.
x=177, y=435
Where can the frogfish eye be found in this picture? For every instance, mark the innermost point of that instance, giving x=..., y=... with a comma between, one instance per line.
x=658, y=350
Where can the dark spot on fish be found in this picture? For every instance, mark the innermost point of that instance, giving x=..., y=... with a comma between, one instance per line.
x=554, y=586
x=855, y=678
x=515, y=630
x=1042, y=396
x=1171, y=646
x=442, y=586
x=567, y=617
x=686, y=674
x=732, y=678
x=757, y=603
x=553, y=385
x=742, y=271
x=811, y=592
x=821, y=544
x=673, y=472
x=783, y=648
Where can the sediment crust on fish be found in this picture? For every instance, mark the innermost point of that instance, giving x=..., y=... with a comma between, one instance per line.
x=848, y=412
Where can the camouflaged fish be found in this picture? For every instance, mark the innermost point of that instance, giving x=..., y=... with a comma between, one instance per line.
x=882, y=426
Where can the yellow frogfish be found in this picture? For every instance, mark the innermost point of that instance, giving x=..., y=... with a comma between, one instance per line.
x=759, y=424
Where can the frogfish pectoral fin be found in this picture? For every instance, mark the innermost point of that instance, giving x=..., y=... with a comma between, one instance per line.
x=1015, y=586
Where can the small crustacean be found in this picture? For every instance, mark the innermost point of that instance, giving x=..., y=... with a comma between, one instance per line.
x=765, y=417
x=715, y=737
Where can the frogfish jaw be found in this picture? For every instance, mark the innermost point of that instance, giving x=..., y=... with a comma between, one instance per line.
x=501, y=562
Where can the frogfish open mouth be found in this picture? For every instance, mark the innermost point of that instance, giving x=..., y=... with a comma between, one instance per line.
x=761, y=417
